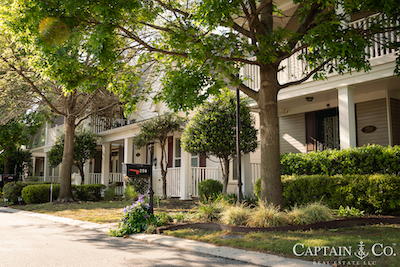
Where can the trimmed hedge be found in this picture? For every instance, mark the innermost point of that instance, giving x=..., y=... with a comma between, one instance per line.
x=376, y=194
x=39, y=193
x=13, y=190
x=32, y=192
x=369, y=159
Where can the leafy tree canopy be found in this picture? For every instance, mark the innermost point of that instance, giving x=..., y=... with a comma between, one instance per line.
x=85, y=143
x=212, y=131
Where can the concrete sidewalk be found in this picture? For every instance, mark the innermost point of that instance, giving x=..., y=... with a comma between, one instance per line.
x=256, y=258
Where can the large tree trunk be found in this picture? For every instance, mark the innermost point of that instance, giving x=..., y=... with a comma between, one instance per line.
x=163, y=172
x=225, y=176
x=67, y=161
x=271, y=185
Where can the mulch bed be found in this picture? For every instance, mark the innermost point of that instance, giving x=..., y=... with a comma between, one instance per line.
x=322, y=225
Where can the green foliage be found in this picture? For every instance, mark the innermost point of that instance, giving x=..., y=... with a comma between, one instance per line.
x=39, y=193
x=235, y=215
x=85, y=143
x=131, y=193
x=13, y=190
x=109, y=193
x=212, y=131
x=376, y=194
x=140, y=185
x=137, y=219
x=210, y=211
x=267, y=215
x=209, y=189
x=359, y=160
x=349, y=212
x=158, y=128
x=89, y=192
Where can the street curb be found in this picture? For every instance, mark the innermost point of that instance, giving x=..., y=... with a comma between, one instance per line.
x=257, y=258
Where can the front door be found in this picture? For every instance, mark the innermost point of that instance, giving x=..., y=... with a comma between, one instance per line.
x=322, y=130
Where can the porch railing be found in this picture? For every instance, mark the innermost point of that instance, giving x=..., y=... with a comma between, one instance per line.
x=294, y=69
x=94, y=178
x=173, y=182
x=200, y=174
x=255, y=172
x=118, y=179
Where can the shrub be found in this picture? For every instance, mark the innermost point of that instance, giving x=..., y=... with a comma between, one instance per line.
x=209, y=188
x=13, y=190
x=130, y=193
x=376, y=194
x=310, y=213
x=235, y=215
x=349, y=212
x=89, y=192
x=265, y=215
x=210, y=211
x=109, y=193
x=137, y=219
x=39, y=193
x=369, y=159
x=140, y=184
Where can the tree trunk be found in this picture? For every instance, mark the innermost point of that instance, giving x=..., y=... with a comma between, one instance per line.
x=67, y=161
x=163, y=172
x=80, y=168
x=225, y=176
x=7, y=162
x=271, y=185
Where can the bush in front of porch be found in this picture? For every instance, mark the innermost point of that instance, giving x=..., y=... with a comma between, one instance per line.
x=368, y=159
x=376, y=194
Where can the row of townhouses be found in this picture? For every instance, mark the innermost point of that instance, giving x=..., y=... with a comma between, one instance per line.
x=340, y=112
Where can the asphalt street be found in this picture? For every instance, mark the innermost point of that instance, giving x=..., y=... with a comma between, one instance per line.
x=32, y=241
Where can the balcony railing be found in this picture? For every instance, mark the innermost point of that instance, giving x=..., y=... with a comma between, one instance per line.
x=100, y=124
x=294, y=69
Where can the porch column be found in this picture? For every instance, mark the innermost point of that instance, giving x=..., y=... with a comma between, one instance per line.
x=45, y=168
x=247, y=187
x=33, y=166
x=128, y=150
x=347, y=117
x=185, y=175
x=105, y=163
x=86, y=172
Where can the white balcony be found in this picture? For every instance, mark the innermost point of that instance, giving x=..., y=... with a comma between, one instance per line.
x=294, y=69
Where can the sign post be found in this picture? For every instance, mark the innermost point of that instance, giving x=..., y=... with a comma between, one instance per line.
x=142, y=170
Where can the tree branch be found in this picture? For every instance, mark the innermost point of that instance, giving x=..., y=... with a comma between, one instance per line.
x=34, y=87
x=306, y=77
x=245, y=89
x=94, y=112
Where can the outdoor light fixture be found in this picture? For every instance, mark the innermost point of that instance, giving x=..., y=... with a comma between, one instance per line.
x=19, y=200
x=309, y=98
x=6, y=200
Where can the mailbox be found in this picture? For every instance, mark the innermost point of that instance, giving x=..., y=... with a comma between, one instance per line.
x=136, y=170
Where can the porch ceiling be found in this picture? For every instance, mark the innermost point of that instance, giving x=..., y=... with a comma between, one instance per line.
x=362, y=92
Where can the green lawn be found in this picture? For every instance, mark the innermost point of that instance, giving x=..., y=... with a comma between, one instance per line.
x=282, y=243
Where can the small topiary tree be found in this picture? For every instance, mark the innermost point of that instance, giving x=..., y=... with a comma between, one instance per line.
x=209, y=188
x=212, y=131
x=157, y=130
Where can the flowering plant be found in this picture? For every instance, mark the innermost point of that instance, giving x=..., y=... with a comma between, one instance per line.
x=136, y=219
